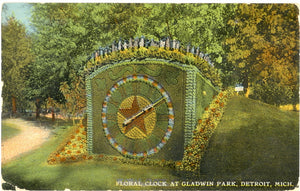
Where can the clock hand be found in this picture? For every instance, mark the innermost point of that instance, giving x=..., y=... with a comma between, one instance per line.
x=158, y=101
x=142, y=111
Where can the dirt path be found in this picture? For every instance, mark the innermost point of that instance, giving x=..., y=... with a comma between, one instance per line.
x=31, y=137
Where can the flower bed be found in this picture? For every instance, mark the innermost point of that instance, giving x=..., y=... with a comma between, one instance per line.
x=203, y=132
x=74, y=148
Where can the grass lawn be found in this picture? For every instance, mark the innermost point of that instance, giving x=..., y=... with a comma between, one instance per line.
x=254, y=141
x=33, y=172
x=8, y=130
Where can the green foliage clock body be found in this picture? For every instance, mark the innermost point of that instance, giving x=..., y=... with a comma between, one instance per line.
x=112, y=91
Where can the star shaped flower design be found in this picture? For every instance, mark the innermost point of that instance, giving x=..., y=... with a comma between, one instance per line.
x=136, y=120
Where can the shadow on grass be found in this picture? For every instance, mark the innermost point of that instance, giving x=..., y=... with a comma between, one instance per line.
x=8, y=131
x=48, y=123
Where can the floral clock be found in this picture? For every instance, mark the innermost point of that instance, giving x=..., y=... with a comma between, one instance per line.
x=137, y=116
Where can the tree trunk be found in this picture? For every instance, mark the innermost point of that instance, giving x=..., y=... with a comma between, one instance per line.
x=294, y=107
x=247, y=91
x=38, y=106
x=14, y=105
x=53, y=114
x=246, y=85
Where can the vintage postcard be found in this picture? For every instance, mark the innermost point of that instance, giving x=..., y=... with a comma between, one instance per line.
x=149, y=96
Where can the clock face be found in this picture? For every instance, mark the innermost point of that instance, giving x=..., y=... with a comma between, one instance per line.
x=137, y=116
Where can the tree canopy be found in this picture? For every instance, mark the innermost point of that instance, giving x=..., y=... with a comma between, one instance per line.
x=253, y=44
x=16, y=56
x=264, y=50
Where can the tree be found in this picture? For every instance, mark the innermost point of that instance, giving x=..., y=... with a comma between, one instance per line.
x=66, y=34
x=75, y=96
x=16, y=55
x=201, y=25
x=264, y=47
x=61, y=43
x=280, y=57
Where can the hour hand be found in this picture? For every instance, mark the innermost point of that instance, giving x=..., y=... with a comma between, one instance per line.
x=142, y=111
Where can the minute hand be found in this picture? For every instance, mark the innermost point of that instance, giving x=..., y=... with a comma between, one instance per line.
x=142, y=111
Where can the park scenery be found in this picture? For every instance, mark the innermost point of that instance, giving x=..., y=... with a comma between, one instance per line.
x=140, y=96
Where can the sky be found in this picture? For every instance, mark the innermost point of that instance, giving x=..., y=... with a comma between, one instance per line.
x=20, y=10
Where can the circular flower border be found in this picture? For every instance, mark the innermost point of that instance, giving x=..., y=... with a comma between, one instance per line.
x=168, y=132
